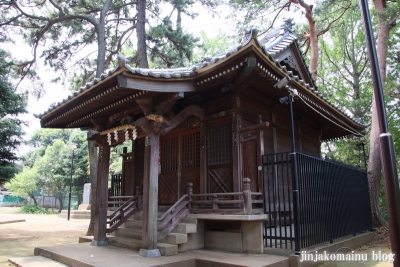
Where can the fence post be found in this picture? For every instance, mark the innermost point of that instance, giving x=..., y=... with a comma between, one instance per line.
x=138, y=199
x=189, y=192
x=247, y=209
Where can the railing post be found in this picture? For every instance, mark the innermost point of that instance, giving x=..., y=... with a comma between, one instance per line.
x=189, y=192
x=138, y=199
x=215, y=204
x=247, y=209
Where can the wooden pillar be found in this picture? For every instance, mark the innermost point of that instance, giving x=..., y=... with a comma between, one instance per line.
x=100, y=212
x=150, y=197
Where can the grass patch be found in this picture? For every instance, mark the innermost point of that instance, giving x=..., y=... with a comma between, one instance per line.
x=34, y=209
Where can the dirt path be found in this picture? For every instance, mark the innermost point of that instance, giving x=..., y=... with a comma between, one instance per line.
x=19, y=239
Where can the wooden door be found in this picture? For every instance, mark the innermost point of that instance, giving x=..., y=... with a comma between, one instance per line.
x=250, y=159
x=168, y=170
x=179, y=165
x=190, y=162
x=219, y=158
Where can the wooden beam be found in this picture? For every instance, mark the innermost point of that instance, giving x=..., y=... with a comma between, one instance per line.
x=101, y=206
x=163, y=85
x=262, y=125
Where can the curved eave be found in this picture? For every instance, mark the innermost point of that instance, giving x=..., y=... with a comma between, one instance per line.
x=104, y=78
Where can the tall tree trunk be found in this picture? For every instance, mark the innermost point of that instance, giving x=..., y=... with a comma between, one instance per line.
x=60, y=201
x=141, y=53
x=313, y=36
x=374, y=165
x=93, y=156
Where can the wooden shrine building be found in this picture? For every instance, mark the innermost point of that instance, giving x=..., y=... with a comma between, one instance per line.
x=213, y=141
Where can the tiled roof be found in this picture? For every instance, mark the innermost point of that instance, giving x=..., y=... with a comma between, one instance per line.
x=272, y=43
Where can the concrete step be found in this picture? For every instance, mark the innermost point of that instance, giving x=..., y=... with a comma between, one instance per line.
x=75, y=214
x=134, y=244
x=34, y=261
x=175, y=239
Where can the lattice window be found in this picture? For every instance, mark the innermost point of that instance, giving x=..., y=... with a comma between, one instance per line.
x=191, y=150
x=220, y=144
x=139, y=158
x=169, y=150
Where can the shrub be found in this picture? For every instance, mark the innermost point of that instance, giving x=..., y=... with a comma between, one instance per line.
x=34, y=209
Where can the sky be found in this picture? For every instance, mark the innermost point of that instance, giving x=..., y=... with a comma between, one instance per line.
x=56, y=92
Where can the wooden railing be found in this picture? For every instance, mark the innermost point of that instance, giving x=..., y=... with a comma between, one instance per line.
x=174, y=215
x=228, y=203
x=223, y=203
x=124, y=211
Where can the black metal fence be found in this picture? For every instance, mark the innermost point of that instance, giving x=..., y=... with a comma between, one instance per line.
x=333, y=201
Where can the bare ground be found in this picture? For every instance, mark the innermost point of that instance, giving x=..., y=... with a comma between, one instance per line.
x=19, y=239
x=381, y=244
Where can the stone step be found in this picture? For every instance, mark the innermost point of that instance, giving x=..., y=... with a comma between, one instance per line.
x=185, y=228
x=132, y=223
x=175, y=239
x=139, y=215
x=134, y=244
x=172, y=238
x=129, y=233
x=189, y=219
x=182, y=228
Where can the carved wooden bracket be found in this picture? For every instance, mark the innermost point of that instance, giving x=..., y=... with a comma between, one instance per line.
x=178, y=119
x=97, y=140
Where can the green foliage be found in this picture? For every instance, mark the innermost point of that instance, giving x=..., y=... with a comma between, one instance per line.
x=40, y=140
x=170, y=47
x=344, y=79
x=34, y=209
x=212, y=46
x=11, y=105
x=25, y=183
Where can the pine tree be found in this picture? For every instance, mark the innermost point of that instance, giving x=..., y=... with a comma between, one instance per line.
x=11, y=105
